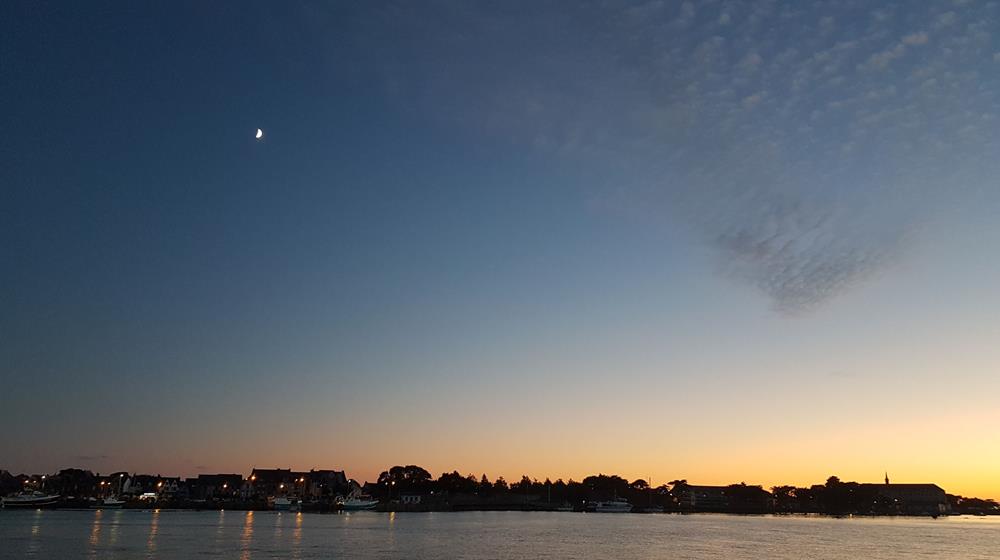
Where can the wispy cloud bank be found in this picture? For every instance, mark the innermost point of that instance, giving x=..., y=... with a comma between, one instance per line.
x=91, y=458
x=786, y=134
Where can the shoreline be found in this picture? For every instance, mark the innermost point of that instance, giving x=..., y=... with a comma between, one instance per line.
x=381, y=511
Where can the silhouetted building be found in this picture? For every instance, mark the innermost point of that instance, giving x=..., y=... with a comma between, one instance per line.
x=169, y=487
x=266, y=483
x=323, y=485
x=214, y=486
x=140, y=484
x=705, y=498
x=912, y=499
x=738, y=498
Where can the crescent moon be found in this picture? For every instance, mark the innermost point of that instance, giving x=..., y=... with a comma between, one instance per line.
x=260, y=134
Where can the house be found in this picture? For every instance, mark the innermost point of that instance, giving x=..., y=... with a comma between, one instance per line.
x=266, y=483
x=410, y=499
x=736, y=498
x=113, y=484
x=323, y=485
x=214, y=486
x=168, y=487
x=140, y=484
x=315, y=485
x=911, y=499
x=702, y=498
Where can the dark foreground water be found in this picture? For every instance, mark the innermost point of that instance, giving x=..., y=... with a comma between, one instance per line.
x=515, y=535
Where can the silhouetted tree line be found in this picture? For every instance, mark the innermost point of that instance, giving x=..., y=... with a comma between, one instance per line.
x=834, y=497
x=456, y=491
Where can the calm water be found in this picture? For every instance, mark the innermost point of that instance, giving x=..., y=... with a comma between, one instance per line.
x=515, y=535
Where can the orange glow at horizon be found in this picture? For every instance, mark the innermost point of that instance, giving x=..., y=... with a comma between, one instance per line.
x=961, y=462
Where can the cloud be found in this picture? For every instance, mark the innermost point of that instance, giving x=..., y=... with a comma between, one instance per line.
x=772, y=227
x=751, y=61
x=91, y=458
x=773, y=140
x=687, y=11
x=751, y=100
x=798, y=253
x=946, y=19
x=883, y=58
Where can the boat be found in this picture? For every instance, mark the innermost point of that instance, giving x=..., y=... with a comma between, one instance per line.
x=111, y=502
x=282, y=503
x=359, y=503
x=33, y=499
x=613, y=506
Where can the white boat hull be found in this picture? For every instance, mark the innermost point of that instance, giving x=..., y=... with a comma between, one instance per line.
x=360, y=505
x=29, y=501
x=108, y=504
x=613, y=507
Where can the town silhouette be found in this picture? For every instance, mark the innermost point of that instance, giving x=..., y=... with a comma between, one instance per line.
x=413, y=488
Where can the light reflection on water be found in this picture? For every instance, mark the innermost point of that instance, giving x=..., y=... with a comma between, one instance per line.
x=246, y=539
x=219, y=529
x=36, y=531
x=95, y=533
x=154, y=526
x=297, y=537
x=166, y=534
x=114, y=530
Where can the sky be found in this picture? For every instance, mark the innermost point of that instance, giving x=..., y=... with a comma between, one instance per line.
x=715, y=240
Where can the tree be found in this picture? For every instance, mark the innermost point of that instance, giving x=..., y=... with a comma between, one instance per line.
x=410, y=477
x=456, y=484
x=524, y=485
x=784, y=498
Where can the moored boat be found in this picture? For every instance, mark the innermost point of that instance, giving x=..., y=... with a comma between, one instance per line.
x=282, y=503
x=359, y=504
x=111, y=502
x=34, y=499
x=613, y=506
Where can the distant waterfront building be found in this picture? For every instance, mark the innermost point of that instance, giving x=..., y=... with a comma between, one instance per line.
x=326, y=484
x=139, y=484
x=410, y=499
x=912, y=499
x=702, y=497
x=736, y=498
x=168, y=486
x=214, y=486
x=267, y=483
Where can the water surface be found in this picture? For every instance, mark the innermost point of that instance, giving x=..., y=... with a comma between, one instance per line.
x=509, y=535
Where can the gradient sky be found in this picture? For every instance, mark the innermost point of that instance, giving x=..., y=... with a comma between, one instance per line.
x=716, y=240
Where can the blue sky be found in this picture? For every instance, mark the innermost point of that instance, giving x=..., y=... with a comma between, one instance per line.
x=470, y=226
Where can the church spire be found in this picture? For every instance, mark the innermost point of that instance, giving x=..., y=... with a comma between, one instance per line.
x=886, y=478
